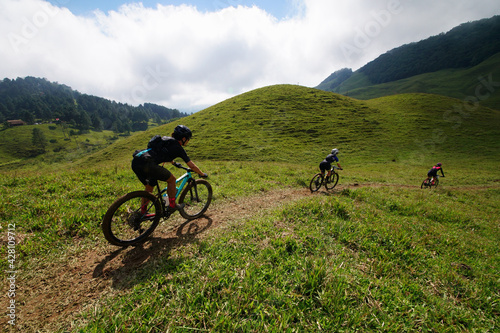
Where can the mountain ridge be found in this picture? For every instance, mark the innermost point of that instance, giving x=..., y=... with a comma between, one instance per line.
x=465, y=47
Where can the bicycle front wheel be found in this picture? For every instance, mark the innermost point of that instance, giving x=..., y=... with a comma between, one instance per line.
x=331, y=182
x=131, y=218
x=316, y=182
x=196, y=198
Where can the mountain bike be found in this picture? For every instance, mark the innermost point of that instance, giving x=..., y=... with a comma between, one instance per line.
x=329, y=181
x=430, y=183
x=134, y=216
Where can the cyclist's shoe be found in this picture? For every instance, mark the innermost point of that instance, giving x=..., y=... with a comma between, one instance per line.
x=171, y=209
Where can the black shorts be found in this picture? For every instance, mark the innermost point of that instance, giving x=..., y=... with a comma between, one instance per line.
x=149, y=172
x=325, y=166
x=432, y=173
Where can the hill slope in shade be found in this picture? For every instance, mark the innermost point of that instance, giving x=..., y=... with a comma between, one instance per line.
x=301, y=125
x=480, y=83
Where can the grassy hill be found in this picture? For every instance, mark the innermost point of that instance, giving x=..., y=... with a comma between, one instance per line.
x=288, y=123
x=457, y=83
x=375, y=254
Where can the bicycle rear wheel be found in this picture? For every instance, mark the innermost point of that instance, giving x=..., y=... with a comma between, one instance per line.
x=196, y=198
x=316, y=182
x=331, y=182
x=425, y=184
x=125, y=223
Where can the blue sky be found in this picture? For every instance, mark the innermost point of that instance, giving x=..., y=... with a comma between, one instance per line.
x=192, y=57
x=278, y=8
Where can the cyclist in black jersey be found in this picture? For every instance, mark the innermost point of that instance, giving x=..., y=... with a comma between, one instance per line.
x=326, y=164
x=146, y=163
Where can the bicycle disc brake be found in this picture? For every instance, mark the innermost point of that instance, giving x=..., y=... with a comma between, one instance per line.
x=134, y=220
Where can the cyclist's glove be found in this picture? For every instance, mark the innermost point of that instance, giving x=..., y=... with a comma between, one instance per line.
x=204, y=175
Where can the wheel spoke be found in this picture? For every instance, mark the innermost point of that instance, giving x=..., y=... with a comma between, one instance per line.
x=196, y=199
x=129, y=220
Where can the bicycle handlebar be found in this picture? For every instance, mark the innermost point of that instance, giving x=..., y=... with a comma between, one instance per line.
x=180, y=166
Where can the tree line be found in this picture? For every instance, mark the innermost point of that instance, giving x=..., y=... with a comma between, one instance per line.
x=464, y=46
x=34, y=99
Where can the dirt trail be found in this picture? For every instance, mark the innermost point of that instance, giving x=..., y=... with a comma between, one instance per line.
x=50, y=297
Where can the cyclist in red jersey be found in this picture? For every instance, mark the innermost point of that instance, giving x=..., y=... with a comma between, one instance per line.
x=432, y=173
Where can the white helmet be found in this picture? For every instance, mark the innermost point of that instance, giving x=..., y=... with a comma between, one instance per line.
x=335, y=151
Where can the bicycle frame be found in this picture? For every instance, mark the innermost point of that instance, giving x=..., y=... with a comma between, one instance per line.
x=321, y=179
x=432, y=179
x=183, y=180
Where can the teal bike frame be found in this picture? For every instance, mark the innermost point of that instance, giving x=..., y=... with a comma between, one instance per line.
x=183, y=180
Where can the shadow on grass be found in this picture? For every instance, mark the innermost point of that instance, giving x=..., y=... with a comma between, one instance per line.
x=131, y=265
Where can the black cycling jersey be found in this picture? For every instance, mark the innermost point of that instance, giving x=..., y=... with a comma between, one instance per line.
x=326, y=164
x=434, y=170
x=145, y=162
x=331, y=158
x=169, y=150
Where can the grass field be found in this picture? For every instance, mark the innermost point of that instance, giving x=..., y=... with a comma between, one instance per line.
x=375, y=254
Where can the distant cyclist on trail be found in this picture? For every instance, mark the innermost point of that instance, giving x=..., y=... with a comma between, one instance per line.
x=326, y=164
x=160, y=150
x=432, y=174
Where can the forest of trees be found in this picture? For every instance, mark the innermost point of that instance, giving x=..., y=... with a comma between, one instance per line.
x=33, y=99
x=464, y=46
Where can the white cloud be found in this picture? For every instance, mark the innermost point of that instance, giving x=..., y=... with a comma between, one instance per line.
x=183, y=58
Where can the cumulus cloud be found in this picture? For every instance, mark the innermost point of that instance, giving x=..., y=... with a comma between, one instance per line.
x=183, y=58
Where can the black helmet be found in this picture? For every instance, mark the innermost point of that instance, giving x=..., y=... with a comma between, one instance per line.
x=439, y=164
x=182, y=131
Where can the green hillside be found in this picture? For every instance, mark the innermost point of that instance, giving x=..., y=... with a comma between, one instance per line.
x=457, y=83
x=289, y=123
x=463, y=63
x=375, y=254
x=16, y=147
